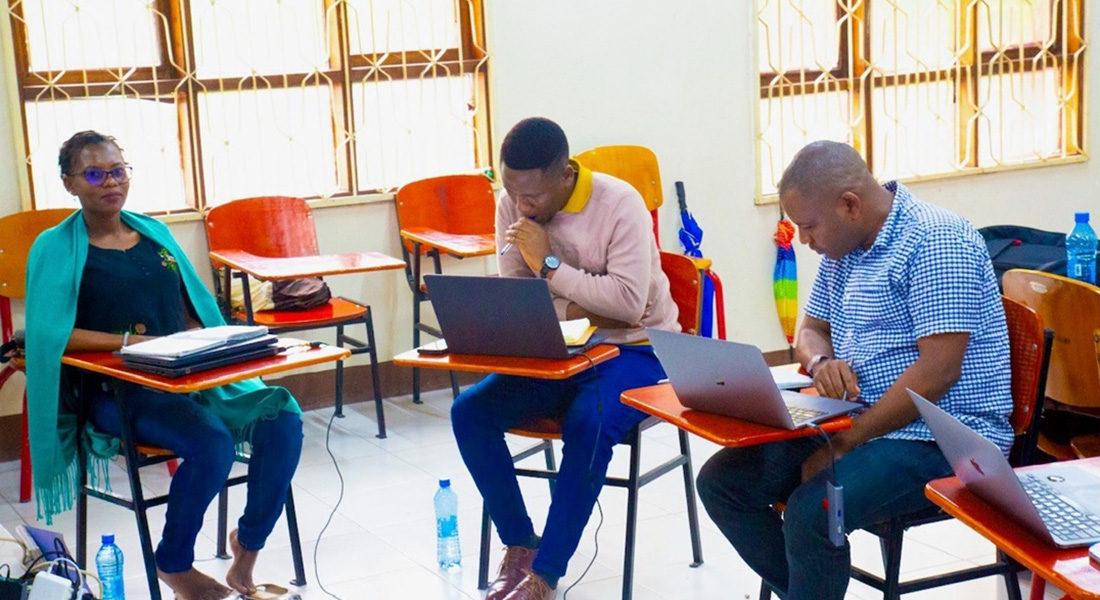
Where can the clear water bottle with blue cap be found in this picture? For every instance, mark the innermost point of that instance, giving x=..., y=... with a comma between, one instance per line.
x=108, y=565
x=448, y=552
x=1081, y=250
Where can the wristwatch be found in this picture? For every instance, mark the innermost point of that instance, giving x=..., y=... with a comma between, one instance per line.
x=549, y=263
x=815, y=362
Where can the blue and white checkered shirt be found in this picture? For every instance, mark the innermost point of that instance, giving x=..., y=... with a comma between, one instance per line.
x=928, y=272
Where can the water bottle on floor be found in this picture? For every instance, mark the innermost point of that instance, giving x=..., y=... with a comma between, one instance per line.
x=108, y=565
x=448, y=552
x=1081, y=250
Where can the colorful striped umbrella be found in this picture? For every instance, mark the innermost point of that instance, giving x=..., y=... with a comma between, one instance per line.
x=785, y=279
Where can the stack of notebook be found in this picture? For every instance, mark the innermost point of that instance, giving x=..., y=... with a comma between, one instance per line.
x=198, y=350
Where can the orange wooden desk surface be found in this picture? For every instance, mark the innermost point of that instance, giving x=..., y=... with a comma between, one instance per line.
x=661, y=402
x=293, y=358
x=1070, y=570
x=452, y=243
x=539, y=368
x=295, y=267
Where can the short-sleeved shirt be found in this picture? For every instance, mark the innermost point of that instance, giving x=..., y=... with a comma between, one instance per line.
x=137, y=290
x=927, y=272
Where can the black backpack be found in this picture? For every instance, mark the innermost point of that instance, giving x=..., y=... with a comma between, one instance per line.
x=1017, y=247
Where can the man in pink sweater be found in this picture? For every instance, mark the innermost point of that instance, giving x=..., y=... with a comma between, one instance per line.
x=591, y=237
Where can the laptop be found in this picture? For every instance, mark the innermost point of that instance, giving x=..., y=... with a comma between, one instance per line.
x=499, y=316
x=732, y=379
x=1058, y=502
x=211, y=359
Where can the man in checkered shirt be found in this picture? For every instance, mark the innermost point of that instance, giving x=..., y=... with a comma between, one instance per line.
x=905, y=297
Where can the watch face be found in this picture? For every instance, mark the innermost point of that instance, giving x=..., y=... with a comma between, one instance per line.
x=552, y=262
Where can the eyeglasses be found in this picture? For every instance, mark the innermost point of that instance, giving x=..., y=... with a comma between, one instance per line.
x=97, y=177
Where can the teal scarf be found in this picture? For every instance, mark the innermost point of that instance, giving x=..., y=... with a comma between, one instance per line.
x=54, y=270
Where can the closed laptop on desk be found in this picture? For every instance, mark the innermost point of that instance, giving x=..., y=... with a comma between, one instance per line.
x=732, y=379
x=1060, y=503
x=498, y=316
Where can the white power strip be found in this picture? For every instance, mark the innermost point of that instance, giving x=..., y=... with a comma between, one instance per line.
x=48, y=586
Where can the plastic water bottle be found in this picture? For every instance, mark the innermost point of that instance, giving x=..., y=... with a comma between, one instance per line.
x=448, y=552
x=1081, y=250
x=108, y=565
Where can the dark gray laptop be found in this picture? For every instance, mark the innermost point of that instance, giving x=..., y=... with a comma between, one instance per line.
x=732, y=379
x=499, y=316
x=1060, y=503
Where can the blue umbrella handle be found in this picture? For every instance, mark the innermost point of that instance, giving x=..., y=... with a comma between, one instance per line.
x=681, y=196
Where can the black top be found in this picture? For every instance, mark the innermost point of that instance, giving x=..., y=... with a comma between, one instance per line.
x=137, y=290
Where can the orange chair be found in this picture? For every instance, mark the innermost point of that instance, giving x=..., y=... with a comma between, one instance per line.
x=279, y=226
x=453, y=215
x=687, y=293
x=17, y=232
x=637, y=165
x=1072, y=309
x=1029, y=346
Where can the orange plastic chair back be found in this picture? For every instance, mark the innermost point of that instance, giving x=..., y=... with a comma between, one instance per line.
x=17, y=233
x=1072, y=309
x=458, y=204
x=636, y=165
x=686, y=285
x=273, y=226
x=1025, y=341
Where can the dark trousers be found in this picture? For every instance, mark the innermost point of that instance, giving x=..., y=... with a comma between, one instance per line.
x=593, y=421
x=177, y=423
x=881, y=479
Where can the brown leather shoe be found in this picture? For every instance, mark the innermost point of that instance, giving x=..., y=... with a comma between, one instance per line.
x=532, y=587
x=515, y=565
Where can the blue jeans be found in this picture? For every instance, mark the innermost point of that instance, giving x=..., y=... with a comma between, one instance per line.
x=196, y=435
x=593, y=421
x=882, y=478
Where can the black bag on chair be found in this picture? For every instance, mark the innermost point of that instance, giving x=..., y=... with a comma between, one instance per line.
x=1017, y=247
x=300, y=294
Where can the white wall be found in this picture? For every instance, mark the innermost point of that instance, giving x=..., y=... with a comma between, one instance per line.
x=679, y=78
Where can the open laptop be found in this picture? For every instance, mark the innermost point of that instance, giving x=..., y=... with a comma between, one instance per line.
x=1059, y=503
x=732, y=379
x=499, y=316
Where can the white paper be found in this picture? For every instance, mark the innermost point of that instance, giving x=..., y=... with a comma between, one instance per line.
x=786, y=378
x=193, y=341
x=573, y=330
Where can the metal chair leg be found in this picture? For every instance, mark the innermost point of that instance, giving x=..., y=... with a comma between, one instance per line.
x=223, y=523
x=632, y=513
x=483, y=555
x=379, y=408
x=295, y=540
x=692, y=508
x=340, y=374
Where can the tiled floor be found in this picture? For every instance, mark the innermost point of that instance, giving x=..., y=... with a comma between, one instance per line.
x=381, y=542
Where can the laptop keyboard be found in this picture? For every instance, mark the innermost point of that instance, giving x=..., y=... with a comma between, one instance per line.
x=1063, y=520
x=801, y=415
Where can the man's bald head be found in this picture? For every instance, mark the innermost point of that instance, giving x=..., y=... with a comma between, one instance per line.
x=823, y=170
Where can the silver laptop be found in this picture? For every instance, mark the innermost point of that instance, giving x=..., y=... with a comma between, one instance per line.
x=1060, y=503
x=732, y=379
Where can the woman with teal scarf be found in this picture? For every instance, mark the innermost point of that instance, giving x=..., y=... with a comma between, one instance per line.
x=105, y=277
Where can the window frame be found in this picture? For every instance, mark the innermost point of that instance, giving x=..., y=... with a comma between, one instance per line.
x=852, y=74
x=170, y=82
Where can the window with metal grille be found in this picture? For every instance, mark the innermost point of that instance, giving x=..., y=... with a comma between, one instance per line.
x=921, y=88
x=214, y=100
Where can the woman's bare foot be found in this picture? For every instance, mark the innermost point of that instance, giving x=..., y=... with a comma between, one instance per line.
x=194, y=585
x=239, y=576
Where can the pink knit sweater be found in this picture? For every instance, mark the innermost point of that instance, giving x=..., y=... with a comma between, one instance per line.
x=609, y=260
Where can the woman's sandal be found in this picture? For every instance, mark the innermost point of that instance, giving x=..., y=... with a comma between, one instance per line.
x=269, y=591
